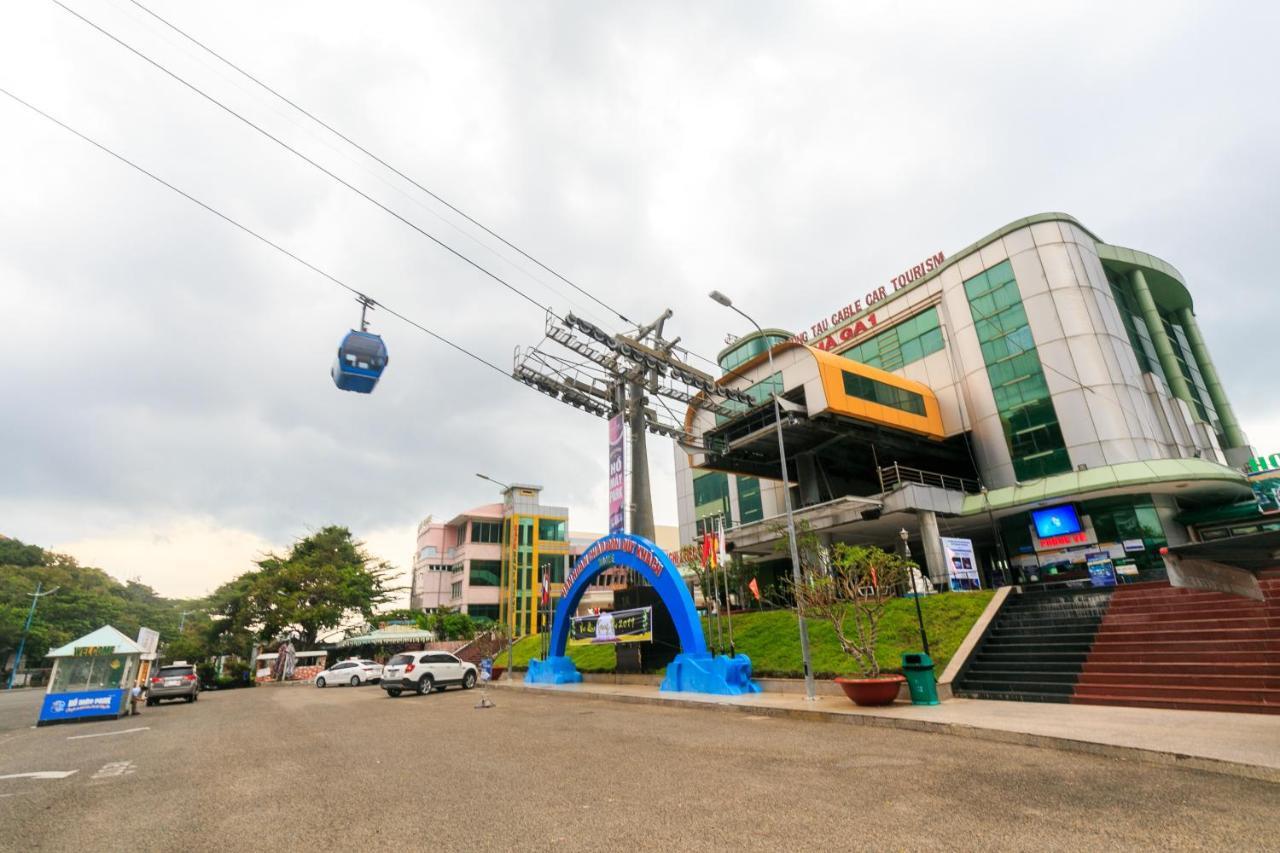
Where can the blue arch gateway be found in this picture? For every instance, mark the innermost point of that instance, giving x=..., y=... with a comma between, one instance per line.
x=695, y=669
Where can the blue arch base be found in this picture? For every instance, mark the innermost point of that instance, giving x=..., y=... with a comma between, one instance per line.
x=727, y=676
x=557, y=669
x=694, y=670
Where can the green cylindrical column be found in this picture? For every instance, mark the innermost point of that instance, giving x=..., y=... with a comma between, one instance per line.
x=1164, y=348
x=1230, y=426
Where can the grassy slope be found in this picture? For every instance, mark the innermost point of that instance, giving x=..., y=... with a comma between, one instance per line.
x=771, y=639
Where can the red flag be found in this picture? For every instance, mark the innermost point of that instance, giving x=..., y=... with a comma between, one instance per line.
x=755, y=588
x=546, y=588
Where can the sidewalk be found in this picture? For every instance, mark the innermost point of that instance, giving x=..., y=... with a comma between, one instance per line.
x=1246, y=745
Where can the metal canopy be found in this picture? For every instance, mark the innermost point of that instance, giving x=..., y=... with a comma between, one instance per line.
x=846, y=453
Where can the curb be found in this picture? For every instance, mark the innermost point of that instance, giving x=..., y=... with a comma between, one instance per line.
x=1123, y=753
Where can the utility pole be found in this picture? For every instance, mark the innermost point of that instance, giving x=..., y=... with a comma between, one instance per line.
x=633, y=374
x=22, y=644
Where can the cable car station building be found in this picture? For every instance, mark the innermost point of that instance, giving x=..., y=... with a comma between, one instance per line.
x=1040, y=368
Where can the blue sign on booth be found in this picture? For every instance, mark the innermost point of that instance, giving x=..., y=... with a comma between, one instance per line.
x=60, y=707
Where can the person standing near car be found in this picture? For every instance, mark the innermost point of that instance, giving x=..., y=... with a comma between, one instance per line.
x=135, y=696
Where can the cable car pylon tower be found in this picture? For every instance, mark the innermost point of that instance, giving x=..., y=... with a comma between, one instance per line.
x=607, y=374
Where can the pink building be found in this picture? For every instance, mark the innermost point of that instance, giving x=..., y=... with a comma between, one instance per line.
x=458, y=563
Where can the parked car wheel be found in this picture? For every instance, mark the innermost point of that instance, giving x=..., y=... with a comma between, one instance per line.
x=355, y=681
x=393, y=692
x=151, y=702
x=320, y=681
x=468, y=680
x=189, y=699
x=195, y=696
x=424, y=685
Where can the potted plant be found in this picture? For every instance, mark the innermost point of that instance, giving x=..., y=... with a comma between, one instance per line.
x=852, y=594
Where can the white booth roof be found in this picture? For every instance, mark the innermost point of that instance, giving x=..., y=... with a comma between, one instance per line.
x=104, y=636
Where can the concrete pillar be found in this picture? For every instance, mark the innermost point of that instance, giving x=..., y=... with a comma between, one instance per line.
x=1164, y=347
x=931, y=542
x=1226, y=416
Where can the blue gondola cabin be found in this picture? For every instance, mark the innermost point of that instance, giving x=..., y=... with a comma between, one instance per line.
x=362, y=356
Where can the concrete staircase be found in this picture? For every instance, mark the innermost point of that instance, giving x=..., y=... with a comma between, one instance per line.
x=1036, y=648
x=1161, y=647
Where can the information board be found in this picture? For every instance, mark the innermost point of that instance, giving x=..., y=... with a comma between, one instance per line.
x=962, y=565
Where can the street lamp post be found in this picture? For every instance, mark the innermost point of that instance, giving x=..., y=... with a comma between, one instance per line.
x=809, y=692
x=22, y=644
x=906, y=553
x=511, y=637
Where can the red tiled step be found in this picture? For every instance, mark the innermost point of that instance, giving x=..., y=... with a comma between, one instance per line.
x=1179, y=679
x=1251, y=618
x=1200, y=599
x=1218, y=646
x=1178, y=704
x=1261, y=696
x=1149, y=655
x=1180, y=668
x=1159, y=685
x=1174, y=633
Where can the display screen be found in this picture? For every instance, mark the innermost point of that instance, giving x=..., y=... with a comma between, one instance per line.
x=1056, y=521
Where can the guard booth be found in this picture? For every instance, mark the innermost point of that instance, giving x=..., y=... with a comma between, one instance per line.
x=91, y=678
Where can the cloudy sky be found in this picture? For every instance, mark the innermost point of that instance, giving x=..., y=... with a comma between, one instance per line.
x=167, y=411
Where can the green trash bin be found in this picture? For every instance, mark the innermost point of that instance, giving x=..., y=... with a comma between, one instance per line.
x=918, y=668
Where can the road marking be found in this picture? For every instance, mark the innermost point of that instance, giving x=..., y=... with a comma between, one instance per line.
x=41, y=774
x=108, y=734
x=114, y=769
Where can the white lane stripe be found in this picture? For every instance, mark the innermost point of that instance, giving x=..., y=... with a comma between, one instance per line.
x=41, y=774
x=108, y=734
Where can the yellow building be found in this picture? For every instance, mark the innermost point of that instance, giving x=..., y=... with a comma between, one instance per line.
x=535, y=541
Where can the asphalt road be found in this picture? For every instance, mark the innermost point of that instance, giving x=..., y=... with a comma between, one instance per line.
x=296, y=768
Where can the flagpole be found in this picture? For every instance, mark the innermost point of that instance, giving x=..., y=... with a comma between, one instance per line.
x=708, y=563
x=728, y=601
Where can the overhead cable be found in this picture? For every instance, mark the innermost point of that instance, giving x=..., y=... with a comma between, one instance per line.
x=247, y=230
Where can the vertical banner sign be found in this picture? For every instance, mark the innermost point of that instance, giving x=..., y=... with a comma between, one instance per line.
x=962, y=566
x=617, y=474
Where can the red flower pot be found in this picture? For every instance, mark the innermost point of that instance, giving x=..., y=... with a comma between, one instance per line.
x=497, y=673
x=872, y=691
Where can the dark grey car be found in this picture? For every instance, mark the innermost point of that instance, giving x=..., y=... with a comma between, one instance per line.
x=176, y=681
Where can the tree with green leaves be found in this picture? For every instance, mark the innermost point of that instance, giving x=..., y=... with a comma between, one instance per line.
x=320, y=582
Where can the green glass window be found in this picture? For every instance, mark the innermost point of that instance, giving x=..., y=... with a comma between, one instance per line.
x=1190, y=371
x=483, y=611
x=748, y=350
x=551, y=529
x=1135, y=325
x=485, y=572
x=710, y=495
x=486, y=531
x=760, y=392
x=554, y=562
x=902, y=344
x=874, y=391
x=1017, y=378
x=750, y=507
x=525, y=533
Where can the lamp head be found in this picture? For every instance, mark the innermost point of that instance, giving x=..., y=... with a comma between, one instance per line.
x=721, y=298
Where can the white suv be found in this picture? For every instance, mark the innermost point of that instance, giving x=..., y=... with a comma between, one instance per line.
x=423, y=672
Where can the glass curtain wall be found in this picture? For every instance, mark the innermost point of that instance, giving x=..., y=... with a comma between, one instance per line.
x=1017, y=378
x=907, y=342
